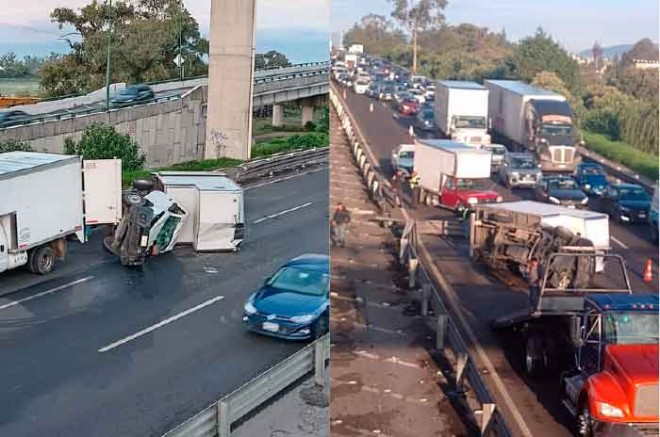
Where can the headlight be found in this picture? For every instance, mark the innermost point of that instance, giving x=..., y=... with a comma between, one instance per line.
x=554, y=200
x=587, y=186
x=605, y=409
x=624, y=209
x=249, y=308
x=585, y=201
x=472, y=200
x=305, y=318
x=500, y=198
x=515, y=174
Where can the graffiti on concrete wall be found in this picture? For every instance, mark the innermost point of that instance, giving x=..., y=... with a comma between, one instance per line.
x=220, y=141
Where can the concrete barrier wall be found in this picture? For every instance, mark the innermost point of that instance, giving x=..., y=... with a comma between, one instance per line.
x=168, y=132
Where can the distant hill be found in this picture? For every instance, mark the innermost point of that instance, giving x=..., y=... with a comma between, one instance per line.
x=609, y=52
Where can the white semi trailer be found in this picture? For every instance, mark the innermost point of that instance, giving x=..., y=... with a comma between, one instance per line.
x=461, y=111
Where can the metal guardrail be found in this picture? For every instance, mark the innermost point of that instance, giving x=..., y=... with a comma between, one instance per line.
x=447, y=333
x=280, y=163
x=217, y=418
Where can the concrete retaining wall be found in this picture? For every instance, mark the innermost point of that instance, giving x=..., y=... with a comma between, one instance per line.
x=168, y=132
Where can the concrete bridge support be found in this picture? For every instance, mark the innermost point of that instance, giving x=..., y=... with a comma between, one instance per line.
x=231, y=70
x=278, y=115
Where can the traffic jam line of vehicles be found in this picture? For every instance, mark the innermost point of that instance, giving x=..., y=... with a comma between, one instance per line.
x=583, y=322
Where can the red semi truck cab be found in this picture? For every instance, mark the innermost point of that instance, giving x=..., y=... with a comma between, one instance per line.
x=454, y=175
x=614, y=391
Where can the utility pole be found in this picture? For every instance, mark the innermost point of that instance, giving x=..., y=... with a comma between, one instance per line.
x=412, y=16
x=107, y=65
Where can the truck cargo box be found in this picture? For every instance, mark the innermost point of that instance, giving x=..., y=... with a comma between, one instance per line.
x=434, y=158
x=465, y=103
x=215, y=206
x=506, y=103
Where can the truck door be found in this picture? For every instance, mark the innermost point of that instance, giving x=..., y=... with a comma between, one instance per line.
x=4, y=248
x=102, y=183
x=589, y=353
x=448, y=196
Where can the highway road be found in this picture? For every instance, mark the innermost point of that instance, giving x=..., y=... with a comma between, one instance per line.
x=98, y=349
x=481, y=298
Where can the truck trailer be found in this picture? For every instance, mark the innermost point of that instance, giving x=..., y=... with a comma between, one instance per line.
x=461, y=111
x=453, y=175
x=526, y=117
x=48, y=198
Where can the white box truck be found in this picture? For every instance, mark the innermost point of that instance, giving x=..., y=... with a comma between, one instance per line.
x=526, y=117
x=47, y=198
x=215, y=207
x=461, y=111
x=453, y=175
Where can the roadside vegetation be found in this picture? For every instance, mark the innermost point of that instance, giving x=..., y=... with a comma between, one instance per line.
x=611, y=98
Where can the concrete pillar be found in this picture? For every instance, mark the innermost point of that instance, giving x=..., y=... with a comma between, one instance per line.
x=278, y=115
x=231, y=67
x=307, y=112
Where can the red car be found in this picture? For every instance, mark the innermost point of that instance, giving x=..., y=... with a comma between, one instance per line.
x=408, y=107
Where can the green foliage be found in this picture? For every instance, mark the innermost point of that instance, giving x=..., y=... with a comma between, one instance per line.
x=323, y=124
x=145, y=40
x=310, y=126
x=104, y=142
x=541, y=53
x=295, y=142
x=13, y=145
x=643, y=163
x=270, y=59
x=12, y=67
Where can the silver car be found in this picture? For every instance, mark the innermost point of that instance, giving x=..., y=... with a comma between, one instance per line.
x=520, y=170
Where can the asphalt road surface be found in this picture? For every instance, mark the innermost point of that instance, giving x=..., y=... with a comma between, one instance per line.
x=482, y=298
x=101, y=350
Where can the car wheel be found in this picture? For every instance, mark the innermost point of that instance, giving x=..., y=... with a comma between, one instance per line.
x=535, y=356
x=42, y=260
x=322, y=326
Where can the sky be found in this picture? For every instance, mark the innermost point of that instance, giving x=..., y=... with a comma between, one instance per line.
x=576, y=24
x=298, y=28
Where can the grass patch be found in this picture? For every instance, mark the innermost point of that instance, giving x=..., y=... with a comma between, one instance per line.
x=295, y=142
x=129, y=176
x=643, y=163
x=19, y=86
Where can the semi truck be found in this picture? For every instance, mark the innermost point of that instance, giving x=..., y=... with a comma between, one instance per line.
x=600, y=338
x=47, y=199
x=453, y=175
x=507, y=236
x=526, y=117
x=461, y=111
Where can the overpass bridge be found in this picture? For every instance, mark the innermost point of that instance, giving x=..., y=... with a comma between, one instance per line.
x=172, y=127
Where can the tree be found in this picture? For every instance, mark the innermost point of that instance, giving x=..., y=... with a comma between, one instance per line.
x=13, y=145
x=100, y=141
x=375, y=33
x=420, y=16
x=639, y=83
x=270, y=59
x=541, y=53
x=146, y=37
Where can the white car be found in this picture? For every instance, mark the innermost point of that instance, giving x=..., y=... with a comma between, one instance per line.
x=418, y=95
x=360, y=86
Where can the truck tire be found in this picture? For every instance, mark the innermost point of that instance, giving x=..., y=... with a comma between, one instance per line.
x=535, y=356
x=131, y=199
x=42, y=260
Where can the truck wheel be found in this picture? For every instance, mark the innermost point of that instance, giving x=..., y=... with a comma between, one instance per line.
x=583, y=422
x=535, y=357
x=130, y=199
x=42, y=260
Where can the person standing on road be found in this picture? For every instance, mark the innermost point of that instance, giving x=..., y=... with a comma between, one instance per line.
x=396, y=187
x=340, y=221
x=414, y=189
x=535, y=274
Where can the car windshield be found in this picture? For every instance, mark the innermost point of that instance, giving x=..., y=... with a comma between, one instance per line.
x=593, y=170
x=630, y=327
x=427, y=115
x=562, y=184
x=632, y=193
x=523, y=163
x=474, y=184
x=407, y=155
x=362, y=82
x=463, y=122
x=497, y=150
x=556, y=130
x=302, y=281
x=130, y=91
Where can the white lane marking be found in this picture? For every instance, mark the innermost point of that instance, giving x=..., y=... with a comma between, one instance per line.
x=159, y=324
x=251, y=187
x=44, y=293
x=286, y=211
x=620, y=243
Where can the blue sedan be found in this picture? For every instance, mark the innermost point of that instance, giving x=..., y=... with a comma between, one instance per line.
x=293, y=303
x=591, y=177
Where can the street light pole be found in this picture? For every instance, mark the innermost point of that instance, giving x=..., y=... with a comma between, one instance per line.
x=107, y=65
